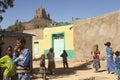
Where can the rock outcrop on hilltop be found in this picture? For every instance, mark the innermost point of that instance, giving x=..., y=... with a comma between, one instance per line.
x=41, y=19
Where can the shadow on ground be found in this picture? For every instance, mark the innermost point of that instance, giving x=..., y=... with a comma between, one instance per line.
x=60, y=72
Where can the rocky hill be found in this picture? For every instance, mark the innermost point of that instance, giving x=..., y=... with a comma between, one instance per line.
x=37, y=23
x=41, y=19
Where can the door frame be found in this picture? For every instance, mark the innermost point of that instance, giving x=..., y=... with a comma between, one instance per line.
x=36, y=55
x=53, y=38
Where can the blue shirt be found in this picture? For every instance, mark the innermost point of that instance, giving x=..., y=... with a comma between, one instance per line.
x=117, y=62
x=109, y=51
x=24, y=59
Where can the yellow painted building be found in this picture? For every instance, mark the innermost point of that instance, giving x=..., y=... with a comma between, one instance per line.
x=58, y=38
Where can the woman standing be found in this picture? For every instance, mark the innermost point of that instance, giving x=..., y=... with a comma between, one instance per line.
x=96, y=61
x=110, y=61
x=51, y=61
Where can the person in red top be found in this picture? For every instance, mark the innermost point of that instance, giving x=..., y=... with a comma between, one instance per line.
x=96, y=61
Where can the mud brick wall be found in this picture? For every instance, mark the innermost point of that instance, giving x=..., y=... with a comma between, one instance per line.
x=96, y=30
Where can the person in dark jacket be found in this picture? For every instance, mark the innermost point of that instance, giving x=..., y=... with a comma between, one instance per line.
x=64, y=56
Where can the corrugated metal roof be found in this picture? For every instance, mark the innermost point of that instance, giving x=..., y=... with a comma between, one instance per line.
x=14, y=34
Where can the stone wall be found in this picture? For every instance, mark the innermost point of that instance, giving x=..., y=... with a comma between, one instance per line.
x=38, y=33
x=96, y=30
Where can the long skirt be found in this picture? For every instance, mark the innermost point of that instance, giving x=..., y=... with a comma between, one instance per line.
x=96, y=63
x=110, y=64
x=51, y=67
x=117, y=71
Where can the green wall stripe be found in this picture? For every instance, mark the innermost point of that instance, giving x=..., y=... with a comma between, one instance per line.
x=69, y=52
x=46, y=52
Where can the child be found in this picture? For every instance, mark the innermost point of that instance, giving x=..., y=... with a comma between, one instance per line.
x=96, y=61
x=117, y=64
x=64, y=56
x=7, y=63
x=42, y=65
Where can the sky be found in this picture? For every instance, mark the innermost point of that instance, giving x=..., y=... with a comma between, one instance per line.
x=59, y=10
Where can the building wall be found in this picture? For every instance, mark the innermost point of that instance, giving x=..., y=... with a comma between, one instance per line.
x=38, y=33
x=46, y=42
x=96, y=30
x=11, y=41
x=68, y=35
x=38, y=36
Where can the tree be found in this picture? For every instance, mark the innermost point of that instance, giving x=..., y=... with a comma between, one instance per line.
x=17, y=27
x=4, y=4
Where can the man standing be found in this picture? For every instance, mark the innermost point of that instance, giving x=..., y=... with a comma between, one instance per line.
x=22, y=59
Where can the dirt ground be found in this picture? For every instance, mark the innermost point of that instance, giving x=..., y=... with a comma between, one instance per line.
x=78, y=70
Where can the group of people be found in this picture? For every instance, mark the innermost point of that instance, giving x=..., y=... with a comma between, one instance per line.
x=17, y=61
x=51, y=62
x=112, y=65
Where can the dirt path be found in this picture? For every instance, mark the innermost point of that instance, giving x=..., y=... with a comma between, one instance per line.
x=77, y=71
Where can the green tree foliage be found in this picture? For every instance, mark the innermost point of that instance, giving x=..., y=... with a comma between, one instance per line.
x=39, y=25
x=4, y=4
x=36, y=25
x=17, y=27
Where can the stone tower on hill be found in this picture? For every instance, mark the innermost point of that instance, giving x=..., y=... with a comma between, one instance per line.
x=41, y=13
x=41, y=19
